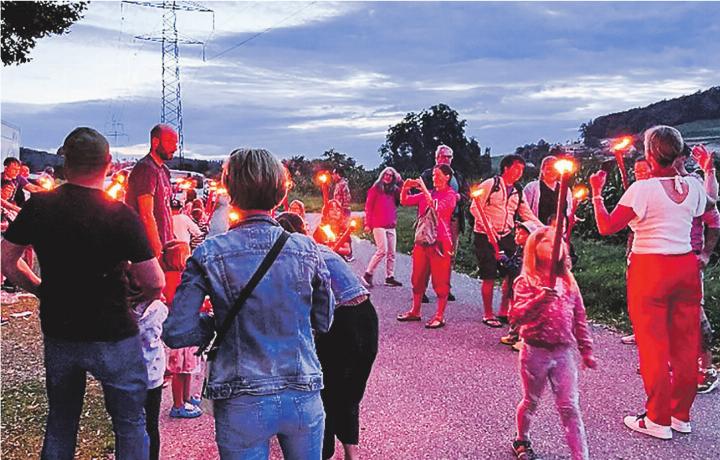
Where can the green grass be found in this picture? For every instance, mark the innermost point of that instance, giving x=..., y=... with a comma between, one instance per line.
x=24, y=409
x=600, y=273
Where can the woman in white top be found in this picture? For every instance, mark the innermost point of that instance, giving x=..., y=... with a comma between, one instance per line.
x=663, y=280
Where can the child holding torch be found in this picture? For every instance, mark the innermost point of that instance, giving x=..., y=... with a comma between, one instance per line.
x=552, y=323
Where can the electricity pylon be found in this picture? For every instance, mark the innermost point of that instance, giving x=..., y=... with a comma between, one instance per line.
x=171, y=112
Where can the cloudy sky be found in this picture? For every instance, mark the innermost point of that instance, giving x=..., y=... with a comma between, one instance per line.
x=338, y=74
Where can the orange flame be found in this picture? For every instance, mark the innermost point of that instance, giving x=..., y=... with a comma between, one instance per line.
x=622, y=143
x=234, y=216
x=222, y=191
x=354, y=223
x=476, y=192
x=323, y=178
x=46, y=183
x=114, y=190
x=120, y=178
x=564, y=166
x=328, y=232
x=580, y=192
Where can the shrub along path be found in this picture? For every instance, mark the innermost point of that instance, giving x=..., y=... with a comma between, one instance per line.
x=451, y=393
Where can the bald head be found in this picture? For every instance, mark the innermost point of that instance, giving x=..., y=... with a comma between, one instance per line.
x=163, y=141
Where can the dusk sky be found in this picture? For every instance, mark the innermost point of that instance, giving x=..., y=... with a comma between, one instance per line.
x=336, y=75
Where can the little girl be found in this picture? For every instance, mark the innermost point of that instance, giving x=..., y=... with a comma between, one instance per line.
x=181, y=362
x=150, y=317
x=552, y=322
x=332, y=215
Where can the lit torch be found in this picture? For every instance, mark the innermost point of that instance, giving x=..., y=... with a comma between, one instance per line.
x=476, y=192
x=565, y=167
x=46, y=183
x=234, y=216
x=619, y=147
x=346, y=234
x=323, y=178
x=579, y=194
x=329, y=234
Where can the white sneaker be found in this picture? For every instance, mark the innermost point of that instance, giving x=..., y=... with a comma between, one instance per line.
x=628, y=339
x=642, y=424
x=680, y=426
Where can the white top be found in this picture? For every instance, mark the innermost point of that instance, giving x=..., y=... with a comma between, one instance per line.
x=662, y=226
x=150, y=317
x=184, y=228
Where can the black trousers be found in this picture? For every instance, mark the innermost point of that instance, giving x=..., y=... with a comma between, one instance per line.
x=152, y=416
x=347, y=353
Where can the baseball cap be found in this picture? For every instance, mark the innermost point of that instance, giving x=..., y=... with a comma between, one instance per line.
x=85, y=146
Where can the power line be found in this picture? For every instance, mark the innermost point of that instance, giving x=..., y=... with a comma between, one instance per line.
x=263, y=32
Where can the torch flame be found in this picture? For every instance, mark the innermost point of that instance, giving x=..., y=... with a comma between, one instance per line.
x=114, y=190
x=222, y=191
x=234, y=216
x=328, y=232
x=323, y=178
x=353, y=223
x=580, y=192
x=46, y=183
x=622, y=143
x=476, y=192
x=564, y=166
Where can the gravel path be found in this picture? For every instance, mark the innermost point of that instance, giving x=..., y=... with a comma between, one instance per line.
x=451, y=393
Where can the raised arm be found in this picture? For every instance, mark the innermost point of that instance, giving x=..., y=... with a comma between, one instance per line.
x=608, y=223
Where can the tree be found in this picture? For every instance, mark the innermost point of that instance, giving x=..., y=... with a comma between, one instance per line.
x=25, y=22
x=410, y=144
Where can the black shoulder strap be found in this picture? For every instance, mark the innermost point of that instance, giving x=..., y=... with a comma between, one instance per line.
x=248, y=289
x=495, y=188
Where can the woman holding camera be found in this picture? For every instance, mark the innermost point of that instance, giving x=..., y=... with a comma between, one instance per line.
x=431, y=260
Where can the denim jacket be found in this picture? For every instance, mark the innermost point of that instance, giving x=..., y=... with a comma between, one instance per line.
x=345, y=284
x=270, y=346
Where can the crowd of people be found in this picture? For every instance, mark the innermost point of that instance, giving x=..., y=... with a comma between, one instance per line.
x=270, y=315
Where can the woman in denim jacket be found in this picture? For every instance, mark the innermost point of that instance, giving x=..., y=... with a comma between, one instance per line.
x=266, y=377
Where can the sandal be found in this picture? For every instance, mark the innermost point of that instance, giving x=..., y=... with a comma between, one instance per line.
x=492, y=322
x=408, y=316
x=435, y=323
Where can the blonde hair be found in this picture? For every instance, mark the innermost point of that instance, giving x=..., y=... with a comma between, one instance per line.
x=255, y=179
x=563, y=266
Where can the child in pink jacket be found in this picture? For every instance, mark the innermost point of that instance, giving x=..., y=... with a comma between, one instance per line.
x=552, y=323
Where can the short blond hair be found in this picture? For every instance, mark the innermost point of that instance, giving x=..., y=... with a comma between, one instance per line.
x=255, y=179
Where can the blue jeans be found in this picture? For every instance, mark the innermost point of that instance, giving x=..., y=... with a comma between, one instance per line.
x=245, y=424
x=120, y=368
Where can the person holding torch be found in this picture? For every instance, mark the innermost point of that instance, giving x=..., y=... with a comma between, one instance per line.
x=495, y=204
x=664, y=287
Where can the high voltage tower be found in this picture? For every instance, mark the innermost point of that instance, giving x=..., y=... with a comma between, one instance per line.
x=170, y=40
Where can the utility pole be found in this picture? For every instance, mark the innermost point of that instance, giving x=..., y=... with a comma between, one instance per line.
x=171, y=111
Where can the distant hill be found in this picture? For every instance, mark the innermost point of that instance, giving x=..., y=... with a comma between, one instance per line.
x=38, y=160
x=698, y=113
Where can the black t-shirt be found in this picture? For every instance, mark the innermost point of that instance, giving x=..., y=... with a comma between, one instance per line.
x=548, y=202
x=83, y=241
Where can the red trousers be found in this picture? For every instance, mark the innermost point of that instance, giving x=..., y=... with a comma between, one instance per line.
x=664, y=302
x=428, y=262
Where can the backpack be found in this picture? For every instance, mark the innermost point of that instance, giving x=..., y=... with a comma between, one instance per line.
x=496, y=188
x=426, y=227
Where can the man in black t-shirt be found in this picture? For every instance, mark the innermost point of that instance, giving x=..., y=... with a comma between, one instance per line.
x=86, y=244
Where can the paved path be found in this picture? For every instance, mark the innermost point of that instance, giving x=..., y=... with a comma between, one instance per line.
x=451, y=393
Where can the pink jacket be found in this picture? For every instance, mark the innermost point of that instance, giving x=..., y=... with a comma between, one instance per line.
x=546, y=325
x=381, y=207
